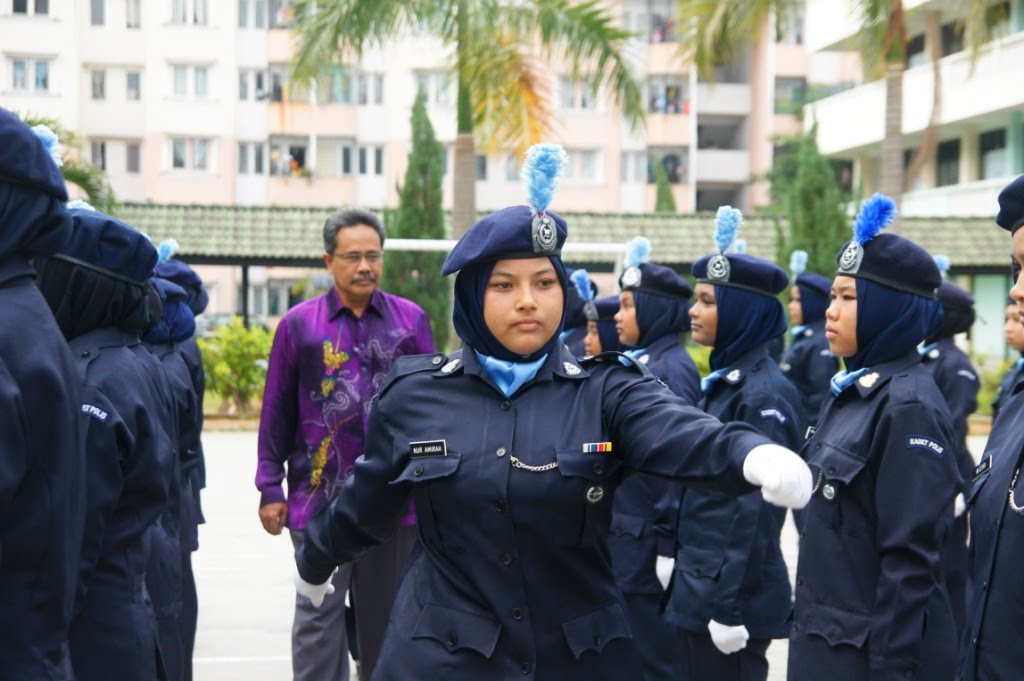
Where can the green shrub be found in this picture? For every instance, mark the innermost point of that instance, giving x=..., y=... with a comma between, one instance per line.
x=235, y=361
x=990, y=385
x=701, y=355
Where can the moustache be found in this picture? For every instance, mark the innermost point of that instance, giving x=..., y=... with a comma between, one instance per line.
x=366, y=277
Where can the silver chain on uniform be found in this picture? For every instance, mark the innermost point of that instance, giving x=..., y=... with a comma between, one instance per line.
x=1019, y=510
x=817, y=484
x=516, y=463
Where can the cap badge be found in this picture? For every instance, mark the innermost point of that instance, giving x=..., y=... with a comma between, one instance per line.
x=850, y=260
x=631, y=277
x=719, y=268
x=544, y=235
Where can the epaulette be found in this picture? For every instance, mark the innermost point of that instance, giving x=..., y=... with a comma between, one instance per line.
x=411, y=364
x=617, y=357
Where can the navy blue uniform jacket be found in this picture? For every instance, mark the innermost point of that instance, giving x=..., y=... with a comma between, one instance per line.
x=514, y=579
x=42, y=480
x=645, y=509
x=729, y=566
x=1006, y=387
x=130, y=458
x=870, y=597
x=958, y=382
x=993, y=642
x=810, y=365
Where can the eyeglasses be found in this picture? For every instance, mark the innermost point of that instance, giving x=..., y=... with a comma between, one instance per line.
x=354, y=257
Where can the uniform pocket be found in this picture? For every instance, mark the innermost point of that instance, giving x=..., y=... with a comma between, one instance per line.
x=627, y=525
x=429, y=468
x=457, y=629
x=585, y=475
x=833, y=504
x=594, y=630
x=699, y=563
x=593, y=467
x=838, y=627
x=429, y=476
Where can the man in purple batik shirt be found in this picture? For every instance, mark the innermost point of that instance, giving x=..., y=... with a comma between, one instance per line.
x=329, y=358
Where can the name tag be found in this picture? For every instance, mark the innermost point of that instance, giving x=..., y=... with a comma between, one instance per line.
x=428, y=448
x=810, y=432
x=982, y=468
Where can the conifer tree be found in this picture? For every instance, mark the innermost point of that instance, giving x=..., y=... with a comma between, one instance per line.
x=664, y=202
x=416, y=275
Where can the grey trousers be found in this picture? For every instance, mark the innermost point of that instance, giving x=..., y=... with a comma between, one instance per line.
x=319, y=640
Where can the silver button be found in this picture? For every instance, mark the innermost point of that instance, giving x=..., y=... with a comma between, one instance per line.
x=436, y=360
x=828, y=491
x=595, y=494
x=501, y=451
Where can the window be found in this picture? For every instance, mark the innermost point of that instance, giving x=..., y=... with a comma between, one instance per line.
x=250, y=158
x=20, y=6
x=179, y=12
x=19, y=71
x=42, y=75
x=337, y=86
x=199, y=12
x=260, y=14
x=790, y=95
x=179, y=151
x=243, y=13
x=190, y=153
x=789, y=28
x=334, y=156
x=257, y=158
x=201, y=81
x=243, y=158
x=378, y=89
x=436, y=85
x=281, y=14
x=634, y=167
x=668, y=95
x=133, y=83
x=663, y=21
x=99, y=84
x=362, y=160
x=133, y=13
x=99, y=155
x=133, y=160
x=511, y=168
x=281, y=87
x=346, y=160
x=481, y=167
x=42, y=7
x=96, y=12
x=577, y=95
x=582, y=164
x=992, y=146
x=288, y=156
x=675, y=160
x=243, y=85
x=378, y=160
x=180, y=81
x=188, y=12
x=948, y=166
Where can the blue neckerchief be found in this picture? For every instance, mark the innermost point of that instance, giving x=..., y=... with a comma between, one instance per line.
x=928, y=348
x=509, y=376
x=633, y=354
x=565, y=334
x=708, y=381
x=844, y=379
x=798, y=330
x=1019, y=365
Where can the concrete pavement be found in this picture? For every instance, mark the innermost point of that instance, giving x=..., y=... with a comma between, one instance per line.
x=246, y=598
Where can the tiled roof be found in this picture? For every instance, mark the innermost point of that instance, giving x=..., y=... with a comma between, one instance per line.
x=265, y=235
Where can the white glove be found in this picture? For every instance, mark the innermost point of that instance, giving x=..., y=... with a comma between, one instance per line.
x=314, y=592
x=784, y=478
x=664, y=568
x=959, y=505
x=728, y=639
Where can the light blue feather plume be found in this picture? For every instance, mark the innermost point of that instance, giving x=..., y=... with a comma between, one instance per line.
x=739, y=246
x=876, y=214
x=638, y=252
x=50, y=141
x=166, y=250
x=79, y=204
x=541, y=172
x=798, y=262
x=727, y=226
x=581, y=280
x=943, y=263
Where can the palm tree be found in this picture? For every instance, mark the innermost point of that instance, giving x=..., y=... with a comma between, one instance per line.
x=87, y=177
x=502, y=99
x=722, y=27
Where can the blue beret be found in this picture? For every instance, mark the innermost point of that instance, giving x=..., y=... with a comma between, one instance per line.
x=105, y=243
x=649, y=277
x=815, y=283
x=893, y=261
x=508, y=233
x=1011, y=206
x=742, y=271
x=952, y=296
x=24, y=159
x=602, y=309
x=168, y=291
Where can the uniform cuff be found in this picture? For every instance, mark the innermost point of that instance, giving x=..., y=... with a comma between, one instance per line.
x=272, y=495
x=313, y=566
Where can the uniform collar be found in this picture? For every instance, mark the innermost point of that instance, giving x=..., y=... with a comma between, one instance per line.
x=336, y=307
x=560, y=362
x=15, y=266
x=737, y=372
x=880, y=374
x=107, y=337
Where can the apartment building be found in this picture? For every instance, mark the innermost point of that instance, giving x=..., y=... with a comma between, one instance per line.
x=192, y=102
x=981, y=114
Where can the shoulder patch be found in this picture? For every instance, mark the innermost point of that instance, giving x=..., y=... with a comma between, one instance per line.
x=92, y=410
x=773, y=413
x=826, y=353
x=926, y=443
x=969, y=375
